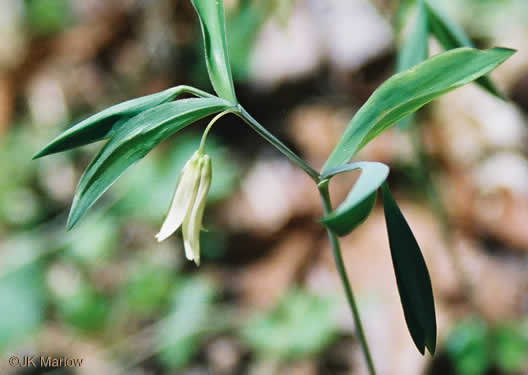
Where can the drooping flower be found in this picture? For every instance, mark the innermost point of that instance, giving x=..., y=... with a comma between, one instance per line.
x=188, y=203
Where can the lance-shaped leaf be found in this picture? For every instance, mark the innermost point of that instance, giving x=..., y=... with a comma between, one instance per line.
x=402, y=14
x=415, y=48
x=212, y=21
x=412, y=276
x=102, y=124
x=451, y=36
x=407, y=91
x=132, y=141
x=359, y=202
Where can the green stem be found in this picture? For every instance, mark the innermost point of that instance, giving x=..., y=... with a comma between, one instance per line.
x=210, y=125
x=334, y=243
x=327, y=209
x=244, y=115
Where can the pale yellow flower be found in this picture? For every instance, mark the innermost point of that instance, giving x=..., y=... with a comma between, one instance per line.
x=188, y=203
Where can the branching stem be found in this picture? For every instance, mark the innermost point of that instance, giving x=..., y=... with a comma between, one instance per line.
x=264, y=133
x=322, y=184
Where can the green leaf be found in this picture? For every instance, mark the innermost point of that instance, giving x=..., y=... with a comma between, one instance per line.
x=147, y=287
x=402, y=13
x=412, y=277
x=511, y=347
x=451, y=36
x=468, y=347
x=415, y=47
x=407, y=91
x=47, y=17
x=244, y=26
x=212, y=20
x=86, y=309
x=299, y=326
x=104, y=123
x=132, y=141
x=359, y=202
x=23, y=300
x=191, y=319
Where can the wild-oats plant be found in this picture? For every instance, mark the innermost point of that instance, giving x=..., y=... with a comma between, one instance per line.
x=133, y=128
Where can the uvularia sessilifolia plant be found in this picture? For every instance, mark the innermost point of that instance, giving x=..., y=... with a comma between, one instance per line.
x=133, y=128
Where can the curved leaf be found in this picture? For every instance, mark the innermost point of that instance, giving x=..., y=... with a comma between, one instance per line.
x=359, y=202
x=212, y=21
x=412, y=276
x=451, y=36
x=132, y=141
x=407, y=91
x=100, y=125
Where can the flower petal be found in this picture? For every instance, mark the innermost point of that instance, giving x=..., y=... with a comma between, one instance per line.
x=192, y=223
x=183, y=198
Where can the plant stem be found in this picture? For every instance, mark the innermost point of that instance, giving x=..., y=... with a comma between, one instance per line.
x=244, y=115
x=327, y=209
x=334, y=243
x=210, y=125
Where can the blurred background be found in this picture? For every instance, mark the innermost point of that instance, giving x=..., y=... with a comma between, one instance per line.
x=267, y=298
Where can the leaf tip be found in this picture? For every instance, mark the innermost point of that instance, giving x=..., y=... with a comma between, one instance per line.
x=73, y=217
x=43, y=152
x=38, y=155
x=430, y=343
x=507, y=50
x=504, y=52
x=70, y=224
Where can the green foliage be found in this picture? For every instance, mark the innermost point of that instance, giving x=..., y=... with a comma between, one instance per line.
x=412, y=277
x=132, y=142
x=407, y=91
x=511, y=347
x=19, y=205
x=359, y=202
x=451, y=36
x=475, y=347
x=415, y=48
x=243, y=26
x=147, y=288
x=95, y=241
x=22, y=303
x=48, y=16
x=212, y=21
x=300, y=325
x=104, y=124
x=85, y=309
x=467, y=346
x=402, y=13
x=183, y=331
